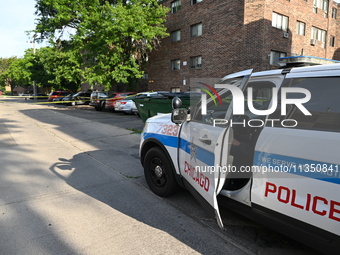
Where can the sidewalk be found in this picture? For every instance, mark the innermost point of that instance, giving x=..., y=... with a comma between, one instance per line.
x=72, y=186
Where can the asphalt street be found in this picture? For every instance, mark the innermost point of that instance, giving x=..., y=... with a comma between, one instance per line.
x=71, y=183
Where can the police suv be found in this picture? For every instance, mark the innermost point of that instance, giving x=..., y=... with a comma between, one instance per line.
x=264, y=144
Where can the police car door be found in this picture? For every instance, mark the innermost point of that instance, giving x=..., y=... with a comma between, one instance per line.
x=205, y=142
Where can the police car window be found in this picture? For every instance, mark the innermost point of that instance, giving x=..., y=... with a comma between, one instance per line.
x=218, y=105
x=262, y=96
x=246, y=125
x=324, y=104
x=218, y=102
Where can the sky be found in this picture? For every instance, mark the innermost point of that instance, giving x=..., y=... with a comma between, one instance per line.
x=16, y=17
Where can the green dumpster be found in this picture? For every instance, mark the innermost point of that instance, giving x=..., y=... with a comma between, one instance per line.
x=162, y=103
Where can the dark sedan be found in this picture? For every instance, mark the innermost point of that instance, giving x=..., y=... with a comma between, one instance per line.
x=39, y=96
x=79, y=98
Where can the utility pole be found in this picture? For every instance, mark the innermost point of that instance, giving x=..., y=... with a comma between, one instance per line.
x=34, y=82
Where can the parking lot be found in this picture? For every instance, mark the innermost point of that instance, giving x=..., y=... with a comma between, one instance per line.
x=71, y=183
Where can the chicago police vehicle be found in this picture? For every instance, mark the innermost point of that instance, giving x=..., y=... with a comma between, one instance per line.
x=265, y=144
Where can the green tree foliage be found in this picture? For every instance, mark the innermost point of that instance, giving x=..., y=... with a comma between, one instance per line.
x=60, y=69
x=4, y=67
x=23, y=71
x=36, y=69
x=110, y=39
x=46, y=66
x=14, y=72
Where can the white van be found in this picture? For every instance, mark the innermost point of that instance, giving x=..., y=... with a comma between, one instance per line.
x=277, y=163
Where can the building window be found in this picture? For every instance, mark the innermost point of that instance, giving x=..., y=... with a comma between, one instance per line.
x=280, y=21
x=175, y=89
x=332, y=41
x=175, y=36
x=175, y=64
x=325, y=7
x=274, y=57
x=175, y=6
x=334, y=13
x=196, y=30
x=145, y=76
x=320, y=4
x=319, y=35
x=300, y=28
x=196, y=62
x=195, y=1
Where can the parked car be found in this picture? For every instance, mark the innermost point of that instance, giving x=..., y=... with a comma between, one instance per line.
x=24, y=95
x=128, y=106
x=57, y=99
x=40, y=96
x=57, y=94
x=79, y=98
x=98, y=99
x=65, y=99
x=125, y=105
x=111, y=101
x=61, y=99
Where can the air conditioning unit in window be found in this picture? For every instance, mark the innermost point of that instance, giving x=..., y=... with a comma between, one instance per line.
x=313, y=42
x=286, y=35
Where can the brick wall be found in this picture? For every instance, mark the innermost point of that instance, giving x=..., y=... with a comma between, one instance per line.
x=300, y=10
x=237, y=35
x=222, y=25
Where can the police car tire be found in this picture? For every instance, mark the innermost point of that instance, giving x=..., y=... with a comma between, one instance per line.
x=165, y=183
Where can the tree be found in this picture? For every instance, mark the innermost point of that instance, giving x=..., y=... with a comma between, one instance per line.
x=14, y=72
x=110, y=39
x=5, y=64
x=36, y=69
x=60, y=69
x=47, y=67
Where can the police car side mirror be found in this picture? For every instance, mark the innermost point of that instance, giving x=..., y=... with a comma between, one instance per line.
x=176, y=103
x=178, y=116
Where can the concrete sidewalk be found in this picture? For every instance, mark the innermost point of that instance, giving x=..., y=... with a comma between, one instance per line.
x=72, y=186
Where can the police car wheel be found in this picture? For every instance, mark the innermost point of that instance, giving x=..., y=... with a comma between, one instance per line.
x=159, y=173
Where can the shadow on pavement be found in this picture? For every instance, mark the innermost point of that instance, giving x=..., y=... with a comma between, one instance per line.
x=105, y=175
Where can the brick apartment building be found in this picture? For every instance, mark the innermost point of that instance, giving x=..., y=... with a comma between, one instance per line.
x=213, y=38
